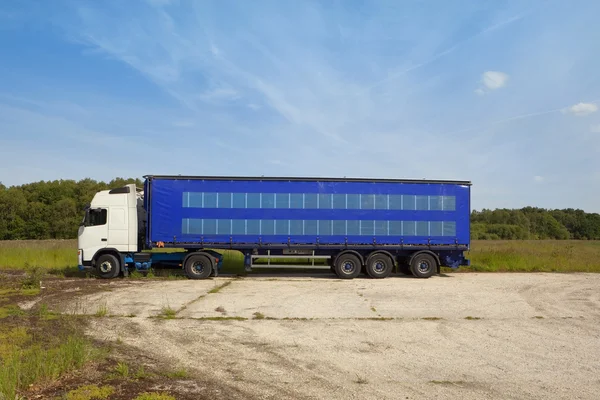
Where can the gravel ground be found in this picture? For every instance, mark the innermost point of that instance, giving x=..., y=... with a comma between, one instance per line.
x=468, y=336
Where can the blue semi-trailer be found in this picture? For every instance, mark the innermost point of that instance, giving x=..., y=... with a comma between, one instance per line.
x=375, y=226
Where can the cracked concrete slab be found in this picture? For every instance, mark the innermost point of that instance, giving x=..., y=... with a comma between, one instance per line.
x=145, y=299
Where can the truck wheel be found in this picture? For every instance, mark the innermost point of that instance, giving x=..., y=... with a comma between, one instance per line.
x=404, y=268
x=347, y=266
x=423, y=266
x=379, y=266
x=198, y=266
x=107, y=266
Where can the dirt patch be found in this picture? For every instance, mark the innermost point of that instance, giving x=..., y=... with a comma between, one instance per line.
x=29, y=320
x=145, y=375
x=56, y=292
x=53, y=290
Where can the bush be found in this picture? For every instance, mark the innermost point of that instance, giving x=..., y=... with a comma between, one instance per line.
x=33, y=278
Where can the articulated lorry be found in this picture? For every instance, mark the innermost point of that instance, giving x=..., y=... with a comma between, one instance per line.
x=353, y=226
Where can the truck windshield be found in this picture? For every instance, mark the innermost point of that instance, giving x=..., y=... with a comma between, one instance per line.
x=95, y=217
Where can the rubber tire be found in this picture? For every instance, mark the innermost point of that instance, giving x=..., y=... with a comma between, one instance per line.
x=373, y=260
x=189, y=266
x=345, y=258
x=423, y=258
x=114, y=263
x=404, y=268
x=331, y=263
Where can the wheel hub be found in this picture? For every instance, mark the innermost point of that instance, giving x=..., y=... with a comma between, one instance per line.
x=198, y=267
x=379, y=266
x=105, y=267
x=348, y=266
x=423, y=266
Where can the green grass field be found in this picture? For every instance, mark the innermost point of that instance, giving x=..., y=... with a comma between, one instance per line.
x=490, y=256
x=49, y=254
x=535, y=256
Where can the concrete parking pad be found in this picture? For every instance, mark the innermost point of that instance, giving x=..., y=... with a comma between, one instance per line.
x=468, y=336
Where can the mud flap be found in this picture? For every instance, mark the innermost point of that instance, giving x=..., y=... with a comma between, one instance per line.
x=247, y=262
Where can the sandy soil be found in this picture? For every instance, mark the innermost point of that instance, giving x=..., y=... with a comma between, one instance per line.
x=469, y=336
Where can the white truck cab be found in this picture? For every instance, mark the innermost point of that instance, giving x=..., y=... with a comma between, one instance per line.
x=109, y=228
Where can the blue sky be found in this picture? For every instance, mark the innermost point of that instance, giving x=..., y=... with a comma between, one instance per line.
x=502, y=93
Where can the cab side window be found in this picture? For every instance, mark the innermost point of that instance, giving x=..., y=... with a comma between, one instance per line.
x=96, y=217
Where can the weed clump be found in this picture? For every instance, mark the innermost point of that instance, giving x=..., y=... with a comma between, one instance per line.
x=102, y=311
x=90, y=392
x=122, y=370
x=167, y=313
x=154, y=396
x=217, y=289
x=259, y=315
x=177, y=374
x=10, y=310
x=141, y=373
x=33, y=278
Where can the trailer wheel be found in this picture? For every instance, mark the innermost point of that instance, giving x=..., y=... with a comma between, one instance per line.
x=423, y=266
x=107, y=266
x=347, y=266
x=198, y=266
x=379, y=266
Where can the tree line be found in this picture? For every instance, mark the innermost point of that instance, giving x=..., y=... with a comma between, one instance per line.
x=54, y=210
x=535, y=223
x=48, y=210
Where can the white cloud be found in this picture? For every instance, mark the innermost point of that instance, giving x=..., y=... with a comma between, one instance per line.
x=491, y=80
x=253, y=106
x=595, y=128
x=494, y=80
x=581, y=109
x=538, y=179
x=219, y=94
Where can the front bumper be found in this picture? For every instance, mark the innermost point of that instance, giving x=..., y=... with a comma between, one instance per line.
x=82, y=265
